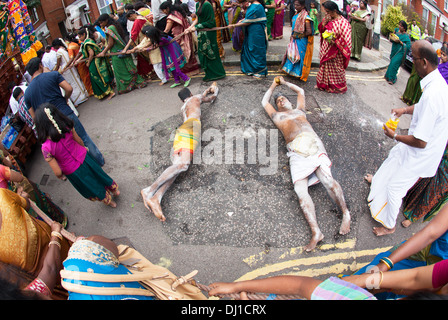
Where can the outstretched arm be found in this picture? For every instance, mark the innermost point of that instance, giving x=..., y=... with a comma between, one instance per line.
x=267, y=97
x=290, y=285
x=212, y=89
x=300, y=93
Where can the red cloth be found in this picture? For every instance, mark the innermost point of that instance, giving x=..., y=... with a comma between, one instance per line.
x=440, y=274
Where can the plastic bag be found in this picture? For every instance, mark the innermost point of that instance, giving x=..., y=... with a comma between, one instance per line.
x=293, y=52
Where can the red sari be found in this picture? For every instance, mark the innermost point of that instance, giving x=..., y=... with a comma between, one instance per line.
x=144, y=67
x=186, y=42
x=335, y=56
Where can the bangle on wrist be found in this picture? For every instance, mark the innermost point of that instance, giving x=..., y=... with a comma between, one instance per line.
x=389, y=264
x=56, y=234
x=54, y=242
x=395, y=137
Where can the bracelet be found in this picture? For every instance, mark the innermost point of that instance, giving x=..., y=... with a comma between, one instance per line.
x=54, y=242
x=387, y=262
x=56, y=234
x=381, y=279
x=395, y=136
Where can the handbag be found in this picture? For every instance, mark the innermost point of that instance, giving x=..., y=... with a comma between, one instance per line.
x=156, y=280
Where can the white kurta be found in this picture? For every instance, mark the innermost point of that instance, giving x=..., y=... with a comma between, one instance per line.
x=406, y=164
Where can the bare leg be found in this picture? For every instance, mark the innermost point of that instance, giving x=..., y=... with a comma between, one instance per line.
x=155, y=201
x=307, y=205
x=335, y=191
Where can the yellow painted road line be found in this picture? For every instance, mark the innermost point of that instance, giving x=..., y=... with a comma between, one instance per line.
x=290, y=264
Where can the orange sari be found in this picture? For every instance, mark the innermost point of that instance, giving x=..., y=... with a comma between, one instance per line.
x=83, y=70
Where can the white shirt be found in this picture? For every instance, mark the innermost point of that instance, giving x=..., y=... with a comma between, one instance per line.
x=13, y=103
x=49, y=59
x=430, y=124
x=156, y=13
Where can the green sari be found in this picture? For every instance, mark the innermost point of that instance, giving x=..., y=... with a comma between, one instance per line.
x=397, y=55
x=359, y=33
x=125, y=71
x=270, y=12
x=314, y=14
x=208, y=51
x=100, y=76
x=413, y=90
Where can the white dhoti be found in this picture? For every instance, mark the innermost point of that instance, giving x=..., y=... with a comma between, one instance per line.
x=389, y=186
x=305, y=159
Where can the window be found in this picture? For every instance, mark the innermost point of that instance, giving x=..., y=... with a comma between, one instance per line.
x=445, y=6
x=425, y=15
x=35, y=17
x=103, y=6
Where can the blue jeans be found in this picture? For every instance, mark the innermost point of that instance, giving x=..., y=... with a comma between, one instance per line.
x=93, y=149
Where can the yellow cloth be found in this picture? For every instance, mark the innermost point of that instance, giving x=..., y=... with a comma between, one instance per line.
x=23, y=239
x=188, y=135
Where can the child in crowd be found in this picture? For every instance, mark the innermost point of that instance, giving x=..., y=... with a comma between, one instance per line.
x=69, y=159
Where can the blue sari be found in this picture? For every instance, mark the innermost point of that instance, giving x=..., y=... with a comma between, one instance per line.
x=253, y=53
x=297, y=69
x=88, y=256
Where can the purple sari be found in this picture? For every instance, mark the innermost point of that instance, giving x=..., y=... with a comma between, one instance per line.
x=443, y=68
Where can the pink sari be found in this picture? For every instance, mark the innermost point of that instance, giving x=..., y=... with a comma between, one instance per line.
x=277, y=25
x=335, y=56
x=186, y=42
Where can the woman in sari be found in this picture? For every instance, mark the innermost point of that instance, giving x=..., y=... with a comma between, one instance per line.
x=443, y=65
x=335, y=46
x=253, y=53
x=279, y=16
x=413, y=91
x=100, y=75
x=79, y=94
x=125, y=71
x=303, y=37
x=144, y=67
x=238, y=32
x=73, y=49
x=359, y=19
x=270, y=13
x=24, y=239
x=208, y=50
x=314, y=14
x=176, y=24
x=401, y=43
x=223, y=35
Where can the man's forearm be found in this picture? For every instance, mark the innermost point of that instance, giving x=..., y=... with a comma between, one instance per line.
x=267, y=95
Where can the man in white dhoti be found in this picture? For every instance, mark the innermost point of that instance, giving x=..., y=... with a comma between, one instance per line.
x=309, y=162
x=417, y=154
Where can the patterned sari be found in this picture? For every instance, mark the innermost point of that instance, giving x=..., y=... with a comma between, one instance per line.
x=144, y=66
x=305, y=45
x=100, y=75
x=125, y=71
x=180, y=24
x=277, y=25
x=83, y=70
x=359, y=33
x=334, y=56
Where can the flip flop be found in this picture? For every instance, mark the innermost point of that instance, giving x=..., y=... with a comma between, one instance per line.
x=175, y=85
x=187, y=82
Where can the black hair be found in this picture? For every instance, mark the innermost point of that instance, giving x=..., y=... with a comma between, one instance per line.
x=72, y=37
x=86, y=30
x=48, y=48
x=444, y=50
x=131, y=12
x=302, y=2
x=12, y=291
x=153, y=33
x=278, y=95
x=17, y=91
x=33, y=65
x=173, y=7
x=139, y=5
x=109, y=21
x=404, y=25
x=331, y=6
x=45, y=128
x=184, y=94
x=129, y=6
x=57, y=43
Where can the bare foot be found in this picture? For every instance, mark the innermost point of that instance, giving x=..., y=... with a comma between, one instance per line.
x=314, y=241
x=381, y=231
x=368, y=177
x=406, y=223
x=154, y=204
x=112, y=204
x=345, y=225
x=162, y=83
x=116, y=193
x=111, y=96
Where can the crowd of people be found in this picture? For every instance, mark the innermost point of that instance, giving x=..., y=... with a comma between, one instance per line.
x=165, y=38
